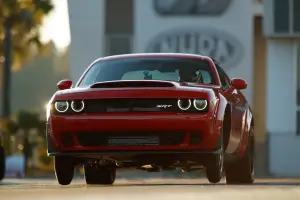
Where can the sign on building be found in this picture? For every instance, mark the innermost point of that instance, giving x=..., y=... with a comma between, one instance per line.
x=224, y=48
x=190, y=7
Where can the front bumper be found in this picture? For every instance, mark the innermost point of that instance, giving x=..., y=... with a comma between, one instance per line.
x=169, y=126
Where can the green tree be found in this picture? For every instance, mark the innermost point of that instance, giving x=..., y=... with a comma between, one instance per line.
x=19, y=38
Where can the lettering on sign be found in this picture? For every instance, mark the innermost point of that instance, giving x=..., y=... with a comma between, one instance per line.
x=191, y=7
x=224, y=48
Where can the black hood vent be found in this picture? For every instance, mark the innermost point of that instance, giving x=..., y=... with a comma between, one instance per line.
x=132, y=84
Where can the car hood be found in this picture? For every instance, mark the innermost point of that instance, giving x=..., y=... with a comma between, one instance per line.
x=138, y=89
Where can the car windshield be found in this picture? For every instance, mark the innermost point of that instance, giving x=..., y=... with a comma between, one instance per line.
x=167, y=69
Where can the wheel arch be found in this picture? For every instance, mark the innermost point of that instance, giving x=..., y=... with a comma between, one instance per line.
x=250, y=120
x=224, y=119
x=226, y=126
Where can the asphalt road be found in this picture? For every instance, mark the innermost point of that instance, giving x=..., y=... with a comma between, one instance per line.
x=153, y=189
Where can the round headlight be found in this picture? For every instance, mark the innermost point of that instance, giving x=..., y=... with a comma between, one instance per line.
x=77, y=106
x=61, y=106
x=184, y=104
x=200, y=104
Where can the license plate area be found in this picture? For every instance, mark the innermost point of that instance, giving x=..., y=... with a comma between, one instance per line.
x=133, y=141
x=127, y=138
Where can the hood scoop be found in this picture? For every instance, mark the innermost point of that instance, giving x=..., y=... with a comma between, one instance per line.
x=132, y=84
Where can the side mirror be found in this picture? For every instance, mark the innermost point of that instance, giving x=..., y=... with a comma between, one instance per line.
x=239, y=83
x=64, y=84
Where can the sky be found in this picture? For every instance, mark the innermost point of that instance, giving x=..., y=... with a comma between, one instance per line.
x=56, y=25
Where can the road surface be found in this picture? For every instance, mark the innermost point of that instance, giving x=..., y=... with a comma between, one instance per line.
x=160, y=189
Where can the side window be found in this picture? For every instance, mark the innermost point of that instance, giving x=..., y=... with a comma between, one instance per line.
x=223, y=78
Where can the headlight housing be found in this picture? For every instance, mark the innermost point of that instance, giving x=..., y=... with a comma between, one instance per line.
x=200, y=104
x=192, y=105
x=68, y=107
x=61, y=106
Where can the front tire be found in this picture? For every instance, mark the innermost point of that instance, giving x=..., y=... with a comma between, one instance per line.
x=215, y=165
x=64, y=169
x=214, y=170
x=243, y=171
x=99, y=175
x=2, y=163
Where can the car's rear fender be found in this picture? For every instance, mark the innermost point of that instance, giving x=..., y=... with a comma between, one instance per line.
x=249, y=122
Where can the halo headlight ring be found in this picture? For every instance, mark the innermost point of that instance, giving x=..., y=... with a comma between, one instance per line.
x=75, y=108
x=180, y=103
x=59, y=108
x=203, y=103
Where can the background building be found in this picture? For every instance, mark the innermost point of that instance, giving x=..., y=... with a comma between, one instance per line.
x=232, y=31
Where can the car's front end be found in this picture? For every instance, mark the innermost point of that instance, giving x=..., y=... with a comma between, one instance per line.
x=99, y=121
x=157, y=110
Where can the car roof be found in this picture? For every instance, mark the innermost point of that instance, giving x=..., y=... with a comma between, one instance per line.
x=153, y=55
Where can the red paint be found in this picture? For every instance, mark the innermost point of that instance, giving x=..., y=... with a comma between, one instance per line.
x=64, y=84
x=208, y=123
x=239, y=84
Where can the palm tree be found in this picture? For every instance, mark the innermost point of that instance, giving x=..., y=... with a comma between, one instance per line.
x=19, y=38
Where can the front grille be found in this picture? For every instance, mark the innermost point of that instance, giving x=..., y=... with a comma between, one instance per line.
x=67, y=139
x=103, y=138
x=130, y=105
x=196, y=138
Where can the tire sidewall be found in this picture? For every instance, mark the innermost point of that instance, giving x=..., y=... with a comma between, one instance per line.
x=64, y=169
x=215, y=167
x=99, y=175
x=251, y=153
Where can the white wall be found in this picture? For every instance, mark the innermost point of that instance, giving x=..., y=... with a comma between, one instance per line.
x=87, y=34
x=281, y=87
x=234, y=27
x=284, y=144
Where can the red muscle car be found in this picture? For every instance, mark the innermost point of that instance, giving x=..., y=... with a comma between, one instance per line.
x=153, y=112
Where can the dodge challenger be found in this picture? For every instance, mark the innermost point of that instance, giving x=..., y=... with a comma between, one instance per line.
x=152, y=112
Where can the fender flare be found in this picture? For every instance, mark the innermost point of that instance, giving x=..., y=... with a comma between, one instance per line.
x=221, y=107
x=220, y=113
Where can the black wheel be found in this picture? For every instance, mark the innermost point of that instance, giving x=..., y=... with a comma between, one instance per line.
x=64, y=169
x=99, y=175
x=214, y=170
x=215, y=166
x=243, y=170
x=2, y=163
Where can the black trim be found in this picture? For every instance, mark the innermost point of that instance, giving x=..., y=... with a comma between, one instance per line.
x=120, y=152
x=48, y=142
x=131, y=105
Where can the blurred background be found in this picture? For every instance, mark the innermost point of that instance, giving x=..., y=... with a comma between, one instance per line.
x=44, y=41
